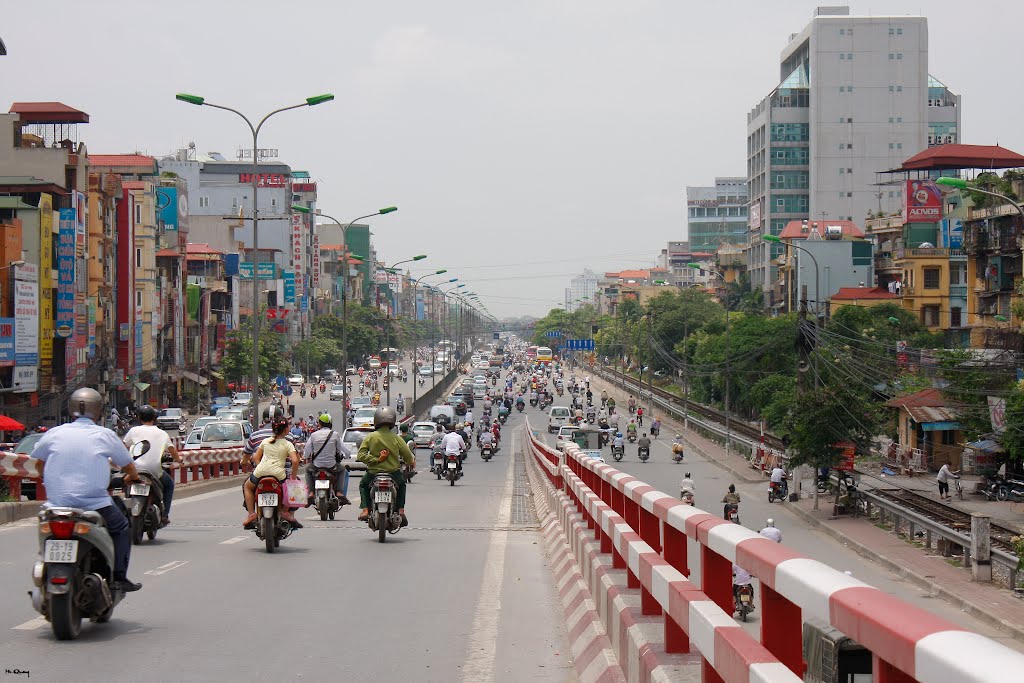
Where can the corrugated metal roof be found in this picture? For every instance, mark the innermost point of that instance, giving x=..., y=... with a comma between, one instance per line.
x=924, y=414
x=15, y=203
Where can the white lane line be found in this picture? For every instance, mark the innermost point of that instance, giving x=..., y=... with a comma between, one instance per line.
x=30, y=625
x=208, y=495
x=170, y=566
x=481, y=650
x=232, y=541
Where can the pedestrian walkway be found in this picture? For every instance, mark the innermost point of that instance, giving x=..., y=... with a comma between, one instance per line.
x=986, y=601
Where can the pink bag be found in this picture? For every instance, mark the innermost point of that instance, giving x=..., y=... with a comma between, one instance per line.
x=295, y=493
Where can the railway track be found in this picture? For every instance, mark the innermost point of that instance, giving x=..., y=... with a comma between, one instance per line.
x=947, y=515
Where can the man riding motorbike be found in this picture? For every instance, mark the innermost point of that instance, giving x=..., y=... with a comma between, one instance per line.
x=769, y=531
x=687, y=486
x=644, y=443
x=325, y=450
x=72, y=462
x=730, y=498
x=383, y=451
x=159, y=441
x=454, y=443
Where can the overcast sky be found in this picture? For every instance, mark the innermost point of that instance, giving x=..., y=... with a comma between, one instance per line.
x=522, y=140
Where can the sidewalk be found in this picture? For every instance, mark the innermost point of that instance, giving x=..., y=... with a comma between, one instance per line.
x=987, y=602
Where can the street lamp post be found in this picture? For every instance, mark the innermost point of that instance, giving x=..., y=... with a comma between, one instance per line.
x=415, y=356
x=728, y=372
x=310, y=102
x=387, y=322
x=344, y=293
x=199, y=350
x=817, y=295
x=441, y=322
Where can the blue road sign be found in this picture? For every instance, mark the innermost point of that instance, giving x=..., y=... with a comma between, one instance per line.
x=553, y=333
x=281, y=381
x=580, y=344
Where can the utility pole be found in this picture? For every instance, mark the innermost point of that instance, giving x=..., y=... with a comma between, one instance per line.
x=804, y=343
x=650, y=370
x=686, y=378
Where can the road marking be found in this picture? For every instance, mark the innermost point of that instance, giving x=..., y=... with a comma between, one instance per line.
x=30, y=625
x=481, y=649
x=234, y=540
x=170, y=566
x=206, y=496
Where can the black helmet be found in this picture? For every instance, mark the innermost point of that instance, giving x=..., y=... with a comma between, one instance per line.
x=732, y=488
x=146, y=413
x=385, y=415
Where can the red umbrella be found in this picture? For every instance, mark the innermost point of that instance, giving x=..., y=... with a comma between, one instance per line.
x=10, y=425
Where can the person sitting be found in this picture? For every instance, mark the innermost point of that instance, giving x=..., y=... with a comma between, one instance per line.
x=383, y=451
x=150, y=462
x=644, y=443
x=325, y=450
x=730, y=498
x=687, y=486
x=741, y=577
x=270, y=458
x=769, y=531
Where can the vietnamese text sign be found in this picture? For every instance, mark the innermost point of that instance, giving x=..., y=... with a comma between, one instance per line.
x=6, y=342
x=315, y=282
x=922, y=202
x=26, y=379
x=26, y=322
x=289, y=287
x=66, y=273
x=297, y=249
x=267, y=270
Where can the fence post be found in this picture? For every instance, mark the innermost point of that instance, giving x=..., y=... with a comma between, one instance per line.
x=886, y=673
x=782, y=629
x=981, y=550
x=716, y=579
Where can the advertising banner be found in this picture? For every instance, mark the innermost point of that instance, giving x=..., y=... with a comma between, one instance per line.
x=289, y=287
x=66, y=273
x=847, y=452
x=6, y=342
x=315, y=283
x=267, y=270
x=26, y=379
x=755, y=215
x=45, y=283
x=923, y=202
x=380, y=277
x=297, y=248
x=952, y=233
x=26, y=322
x=92, y=327
x=167, y=207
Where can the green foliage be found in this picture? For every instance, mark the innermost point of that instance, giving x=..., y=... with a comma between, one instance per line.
x=823, y=417
x=993, y=183
x=772, y=397
x=1013, y=435
x=868, y=327
x=237, y=361
x=970, y=380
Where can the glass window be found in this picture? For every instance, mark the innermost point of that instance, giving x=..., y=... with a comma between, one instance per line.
x=954, y=317
x=842, y=55
x=899, y=32
x=931, y=277
x=899, y=55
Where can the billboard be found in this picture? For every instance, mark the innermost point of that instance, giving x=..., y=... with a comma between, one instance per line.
x=754, y=220
x=289, y=287
x=66, y=273
x=167, y=210
x=315, y=282
x=6, y=342
x=923, y=202
x=26, y=317
x=952, y=233
x=297, y=248
x=267, y=270
x=26, y=379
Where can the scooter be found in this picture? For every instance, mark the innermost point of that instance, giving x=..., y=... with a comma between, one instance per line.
x=631, y=436
x=486, y=452
x=452, y=469
x=74, y=573
x=520, y=407
x=686, y=497
x=302, y=391
x=643, y=454
x=732, y=512
x=437, y=463
x=144, y=500
x=384, y=517
x=677, y=452
x=618, y=452
x=271, y=527
x=744, y=600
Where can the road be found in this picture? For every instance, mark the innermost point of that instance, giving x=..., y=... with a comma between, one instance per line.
x=464, y=593
x=711, y=483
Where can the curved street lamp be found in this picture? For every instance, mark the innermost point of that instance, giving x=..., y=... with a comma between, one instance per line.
x=344, y=293
x=199, y=102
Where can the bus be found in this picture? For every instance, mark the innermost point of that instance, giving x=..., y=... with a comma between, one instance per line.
x=544, y=355
x=531, y=352
x=388, y=356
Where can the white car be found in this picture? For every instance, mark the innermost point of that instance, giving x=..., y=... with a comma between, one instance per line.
x=337, y=392
x=296, y=380
x=364, y=417
x=422, y=433
x=230, y=415
x=219, y=435
x=242, y=398
x=479, y=392
x=557, y=417
x=425, y=371
x=439, y=368
x=360, y=402
x=351, y=370
x=564, y=434
x=374, y=364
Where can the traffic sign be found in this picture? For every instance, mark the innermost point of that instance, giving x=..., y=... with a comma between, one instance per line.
x=553, y=333
x=580, y=344
x=281, y=381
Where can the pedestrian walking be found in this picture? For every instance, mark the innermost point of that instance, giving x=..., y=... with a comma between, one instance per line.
x=943, y=479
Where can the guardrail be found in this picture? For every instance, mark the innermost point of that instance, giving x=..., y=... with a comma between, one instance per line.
x=647, y=531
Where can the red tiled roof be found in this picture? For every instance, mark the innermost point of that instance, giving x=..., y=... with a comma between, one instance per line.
x=852, y=293
x=133, y=185
x=48, y=112
x=794, y=230
x=963, y=156
x=633, y=274
x=122, y=160
x=926, y=398
x=202, y=248
x=169, y=252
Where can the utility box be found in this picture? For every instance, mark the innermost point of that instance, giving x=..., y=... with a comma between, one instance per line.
x=831, y=657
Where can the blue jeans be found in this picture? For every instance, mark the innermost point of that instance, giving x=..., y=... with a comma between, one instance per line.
x=167, y=482
x=117, y=526
x=340, y=482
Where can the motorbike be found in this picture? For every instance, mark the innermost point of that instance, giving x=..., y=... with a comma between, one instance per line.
x=452, y=471
x=744, y=600
x=325, y=500
x=519, y=407
x=686, y=497
x=732, y=512
x=643, y=454
x=486, y=452
x=384, y=517
x=271, y=527
x=631, y=436
x=677, y=452
x=422, y=381
x=503, y=418
x=408, y=471
x=74, y=573
x=533, y=403
x=302, y=391
x=323, y=387
x=312, y=392
x=779, y=491
x=437, y=463
x=591, y=419
x=144, y=500
x=618, y=452
x=400, y=408
x=183, y=428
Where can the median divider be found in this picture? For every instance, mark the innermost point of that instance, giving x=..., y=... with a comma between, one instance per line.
x=643, y=534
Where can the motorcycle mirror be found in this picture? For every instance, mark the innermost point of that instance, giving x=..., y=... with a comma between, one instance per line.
x=139, y=449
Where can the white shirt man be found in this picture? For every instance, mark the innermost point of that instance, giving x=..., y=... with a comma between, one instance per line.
x=687, y=485
x=486, y=439
x=453, y=443
x=778, y=475
x=469, y=416
x=772, y=533
x=740, y=576
x=158, y=440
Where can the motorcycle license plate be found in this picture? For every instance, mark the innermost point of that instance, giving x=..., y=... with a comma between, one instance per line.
x=744, y=598
x=60, y=552
x=321, y=484
x=267, y=500
x=138, y=490
x=382, y=497
x=452, y=466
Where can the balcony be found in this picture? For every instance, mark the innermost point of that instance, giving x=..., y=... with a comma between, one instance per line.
x=927, y=253
x=885, y=263
x=958, y=291
x=886, y=224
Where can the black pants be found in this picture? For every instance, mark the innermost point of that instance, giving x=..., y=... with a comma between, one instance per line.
x=117, y=526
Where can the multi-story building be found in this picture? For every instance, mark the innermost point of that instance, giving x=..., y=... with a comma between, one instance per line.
x=582, y=286
x=854, y=98
x=717, y=215
x=832, y=255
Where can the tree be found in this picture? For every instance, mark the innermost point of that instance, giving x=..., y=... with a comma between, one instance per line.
x=824, y=417
x=237, y=361
x=970, y=380
x=1012, y=437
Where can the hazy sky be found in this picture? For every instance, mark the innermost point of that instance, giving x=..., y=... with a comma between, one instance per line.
x=523, y=140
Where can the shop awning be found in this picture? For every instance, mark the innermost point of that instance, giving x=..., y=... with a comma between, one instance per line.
x=944, y=426
x=986, y=446
x=216, y=375
x=8, y=424
x=141, y=386
x=192, y=377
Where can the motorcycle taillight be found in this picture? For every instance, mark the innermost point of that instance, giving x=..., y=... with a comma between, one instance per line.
x=321, y=475
x=62, y=528
x=384, y=484
x=453, y=458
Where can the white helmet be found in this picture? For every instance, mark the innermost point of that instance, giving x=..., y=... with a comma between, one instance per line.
x=770, y=522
